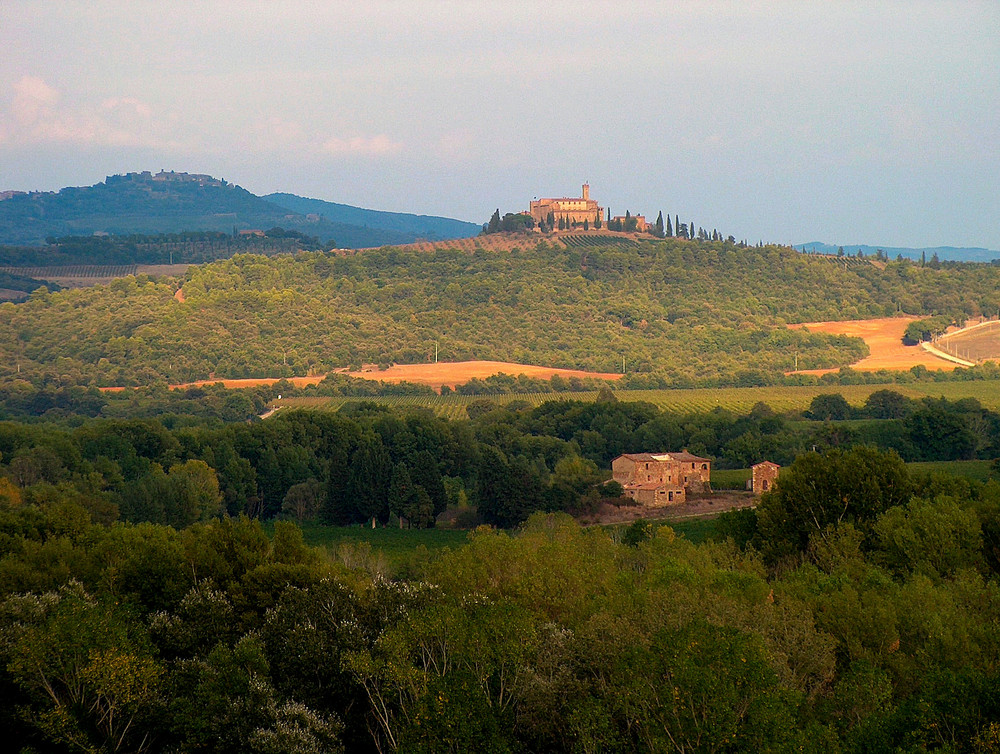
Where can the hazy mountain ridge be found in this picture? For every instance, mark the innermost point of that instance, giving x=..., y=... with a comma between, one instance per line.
x=430, y=227
x=944, y=253
x=175, y=202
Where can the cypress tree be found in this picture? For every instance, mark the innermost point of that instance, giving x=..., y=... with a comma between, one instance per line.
x=658, y=230
x=670, y=230
x=368, y=479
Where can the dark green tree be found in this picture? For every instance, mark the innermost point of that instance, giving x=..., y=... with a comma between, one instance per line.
x=821, y=491
x=888, y=404
x=494, y=224
x=829, y=406
x=368, y=479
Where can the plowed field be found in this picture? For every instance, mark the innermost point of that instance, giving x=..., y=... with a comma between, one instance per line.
x=435, y=375
x=456, y=373
x=885, y=342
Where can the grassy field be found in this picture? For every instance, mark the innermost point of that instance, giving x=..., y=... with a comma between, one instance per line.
x=730, y=479
x=696, y=530
x=980, y=471
x=389, y=550
x=740, y=400
x=392, y=541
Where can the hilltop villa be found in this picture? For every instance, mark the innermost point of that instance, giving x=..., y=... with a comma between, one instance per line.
x=571, y=210
x=656, y=479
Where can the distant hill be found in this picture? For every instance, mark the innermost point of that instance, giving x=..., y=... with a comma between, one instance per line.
x=168, y=202
x=426, y=227
x=944, y=253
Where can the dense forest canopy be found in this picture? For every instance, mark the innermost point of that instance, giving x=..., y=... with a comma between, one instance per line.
x=856, y=610
x=691, y=312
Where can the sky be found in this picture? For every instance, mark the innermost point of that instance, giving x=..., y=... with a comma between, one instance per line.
x=844, y=122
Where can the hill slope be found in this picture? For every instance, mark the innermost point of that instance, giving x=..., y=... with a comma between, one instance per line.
x=944, y=253
x=142, y=203
x=426, y=227
x=684, y=312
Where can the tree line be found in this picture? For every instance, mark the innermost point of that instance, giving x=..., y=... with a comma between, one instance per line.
x=370, y=464
x=190, y=247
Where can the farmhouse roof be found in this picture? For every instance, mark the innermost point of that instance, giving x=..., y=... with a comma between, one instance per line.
x=766, y=463
x=685, y=456
x=682, y=456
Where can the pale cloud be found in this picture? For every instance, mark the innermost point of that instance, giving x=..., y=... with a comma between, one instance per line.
x=363, y=146
x=129, y=105
x=278, y=135
x=274, y=134
x=458, y=146
x=37, y=115
x=33, y=98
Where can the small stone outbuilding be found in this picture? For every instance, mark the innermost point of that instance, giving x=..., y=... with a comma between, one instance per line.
x=763, y=476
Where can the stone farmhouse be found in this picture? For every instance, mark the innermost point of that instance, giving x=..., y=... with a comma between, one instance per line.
x=656, y=479
x=569, y=209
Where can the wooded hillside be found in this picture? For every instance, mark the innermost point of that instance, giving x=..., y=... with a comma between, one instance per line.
x=175, y=203
x=693, y=312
